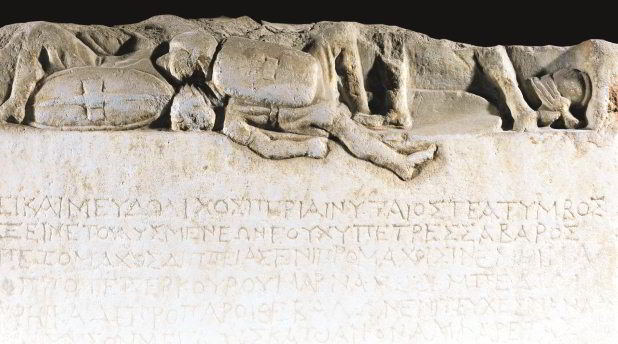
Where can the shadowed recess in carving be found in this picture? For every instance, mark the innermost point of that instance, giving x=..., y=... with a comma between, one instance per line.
x=284, y=92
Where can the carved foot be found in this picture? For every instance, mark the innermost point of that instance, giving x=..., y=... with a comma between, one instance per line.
x=410, y=168
x=317, y=147
x=546, y=118
x=570, y=121
x=4, y=115
x=9, y=109
x=526, y=121
x=399, y=119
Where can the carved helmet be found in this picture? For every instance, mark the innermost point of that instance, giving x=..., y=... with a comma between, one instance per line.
x=574, y=85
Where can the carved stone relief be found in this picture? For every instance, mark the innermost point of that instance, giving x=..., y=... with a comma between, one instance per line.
x=284, y=90
x=233, y=181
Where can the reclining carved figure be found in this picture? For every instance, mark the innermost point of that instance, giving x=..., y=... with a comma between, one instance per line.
x=276, y=103
x=283, y=101
x=65, y=78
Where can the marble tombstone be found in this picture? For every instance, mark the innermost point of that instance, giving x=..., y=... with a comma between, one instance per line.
x=232, y=181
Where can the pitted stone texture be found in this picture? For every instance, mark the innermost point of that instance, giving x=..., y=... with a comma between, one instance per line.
x=91, y=98
x=266, y=73
x=283, y=90
x=505, y=237
x=327, y=182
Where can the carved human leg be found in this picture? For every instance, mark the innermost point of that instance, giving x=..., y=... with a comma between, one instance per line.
x=272, y=145
x=309, y=120
x=365, y=144
x=496, y=64
x=398, y=154
x=400, y=140
x=300, y=122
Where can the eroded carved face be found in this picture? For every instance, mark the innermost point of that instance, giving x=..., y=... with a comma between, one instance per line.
x=189, y=52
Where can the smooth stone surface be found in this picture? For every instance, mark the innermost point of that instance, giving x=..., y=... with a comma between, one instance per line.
x=435, y=114
x=159, y=237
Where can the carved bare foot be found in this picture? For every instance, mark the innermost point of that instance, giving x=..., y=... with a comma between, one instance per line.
x=401, y=141
x=317, y=147
x=423, y=155
x=409, y=169
x=415, y=152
